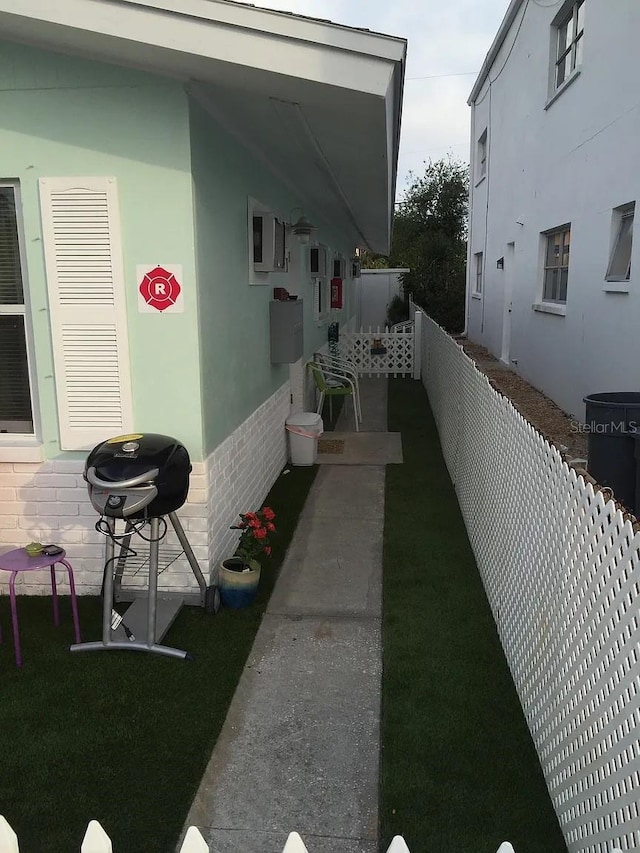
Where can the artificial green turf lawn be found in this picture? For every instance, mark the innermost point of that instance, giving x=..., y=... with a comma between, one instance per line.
x=122, y=737
x=459, y=769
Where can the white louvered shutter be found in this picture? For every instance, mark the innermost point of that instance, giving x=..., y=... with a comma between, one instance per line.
x=83, y=257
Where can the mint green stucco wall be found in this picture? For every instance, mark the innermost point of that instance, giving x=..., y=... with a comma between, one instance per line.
x=234, y=316
x=61, y=116
x=183, y=185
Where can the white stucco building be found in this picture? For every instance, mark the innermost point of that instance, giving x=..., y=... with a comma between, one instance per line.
x=555, y=156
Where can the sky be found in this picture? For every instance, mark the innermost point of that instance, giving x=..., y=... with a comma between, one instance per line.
x=445, y=38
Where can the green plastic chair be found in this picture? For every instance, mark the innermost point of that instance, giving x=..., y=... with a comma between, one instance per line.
x=332, y=384
x=344, y=368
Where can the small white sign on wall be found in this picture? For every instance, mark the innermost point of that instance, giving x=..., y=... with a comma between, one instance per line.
x=160, y=288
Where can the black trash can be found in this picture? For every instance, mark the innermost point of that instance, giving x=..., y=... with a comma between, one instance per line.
x=613, y=441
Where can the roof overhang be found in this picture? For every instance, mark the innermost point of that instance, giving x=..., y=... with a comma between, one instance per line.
x=320, y=103
x=505, y=26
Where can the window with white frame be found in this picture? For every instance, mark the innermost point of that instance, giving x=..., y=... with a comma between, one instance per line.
x=477, y=284
x=619, y=268
x=556, y=264
x=482, y=155
x=339, y=267
x=16, y=411
x=267, y=243
x=569, y=33
x=318, y=260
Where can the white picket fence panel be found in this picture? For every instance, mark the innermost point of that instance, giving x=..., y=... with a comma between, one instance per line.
x=403, y=326
x=96, y=840
x=399, y=358
x=561, y=569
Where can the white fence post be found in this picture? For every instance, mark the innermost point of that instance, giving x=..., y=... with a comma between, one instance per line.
x=194, y=842
x=398, y=845
x=8, y=838
x=294, y=844
x=96, y=840
x=417, y=345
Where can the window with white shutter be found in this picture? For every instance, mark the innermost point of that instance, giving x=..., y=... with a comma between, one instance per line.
x=16, y=415
x=83, y=256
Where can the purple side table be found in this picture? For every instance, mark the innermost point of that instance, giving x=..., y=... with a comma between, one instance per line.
x=19, y=561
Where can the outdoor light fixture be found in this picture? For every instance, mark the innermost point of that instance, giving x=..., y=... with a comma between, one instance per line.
x=303, y=228
x=500, y=263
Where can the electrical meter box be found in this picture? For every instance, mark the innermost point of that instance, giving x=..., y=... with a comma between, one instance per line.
x=287, y=325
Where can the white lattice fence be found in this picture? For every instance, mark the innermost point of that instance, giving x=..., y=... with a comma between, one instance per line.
x=393, y=358
x=561, y=569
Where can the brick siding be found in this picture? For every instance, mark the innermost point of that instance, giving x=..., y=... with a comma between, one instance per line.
x=48, y=502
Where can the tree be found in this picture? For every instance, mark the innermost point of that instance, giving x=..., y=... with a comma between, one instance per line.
x=371, y=261
x=429, y=237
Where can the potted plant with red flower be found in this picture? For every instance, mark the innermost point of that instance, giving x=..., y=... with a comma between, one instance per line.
x=239, y=575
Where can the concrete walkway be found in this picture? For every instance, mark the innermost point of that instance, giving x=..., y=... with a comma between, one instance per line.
x=300, y=747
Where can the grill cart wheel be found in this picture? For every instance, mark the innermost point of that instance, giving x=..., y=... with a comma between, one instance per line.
x=212, y=600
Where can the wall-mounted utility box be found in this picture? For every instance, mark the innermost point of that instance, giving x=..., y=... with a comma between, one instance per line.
x=287, y=325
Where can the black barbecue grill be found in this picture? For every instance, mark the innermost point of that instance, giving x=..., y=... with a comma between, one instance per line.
x=139, y=476
x=140, y=479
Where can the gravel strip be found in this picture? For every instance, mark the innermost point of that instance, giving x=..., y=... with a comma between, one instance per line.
x=554, y=424
x=548, y=418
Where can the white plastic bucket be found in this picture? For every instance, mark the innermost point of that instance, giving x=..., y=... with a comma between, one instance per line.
x=304, y=430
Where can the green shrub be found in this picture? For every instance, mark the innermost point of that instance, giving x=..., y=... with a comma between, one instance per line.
x=397, y=310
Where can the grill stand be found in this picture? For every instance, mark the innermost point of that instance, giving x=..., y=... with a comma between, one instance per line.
x=145, y=626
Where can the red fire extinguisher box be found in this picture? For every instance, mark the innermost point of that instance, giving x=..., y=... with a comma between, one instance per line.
x=336, y=293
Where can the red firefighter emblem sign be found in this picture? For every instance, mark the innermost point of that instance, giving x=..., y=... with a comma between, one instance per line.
x=336, y=293
x=160, y=289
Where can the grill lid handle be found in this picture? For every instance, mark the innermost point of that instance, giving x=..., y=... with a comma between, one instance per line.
x=140, y=480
